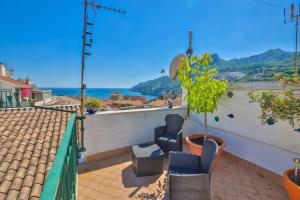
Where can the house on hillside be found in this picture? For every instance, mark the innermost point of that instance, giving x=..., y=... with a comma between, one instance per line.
x=115, y=96
x=12, y=91
x=135, y=98
x=42, y=96
x=19, y=92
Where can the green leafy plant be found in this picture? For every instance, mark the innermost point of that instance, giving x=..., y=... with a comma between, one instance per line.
x=203, y=89
x=92, y=103
x=31, y=102
x=279, y=105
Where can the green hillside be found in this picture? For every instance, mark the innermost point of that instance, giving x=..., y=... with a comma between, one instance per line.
x=270, y=57
x=157, y=86
x=258, y=67
x=253, y=68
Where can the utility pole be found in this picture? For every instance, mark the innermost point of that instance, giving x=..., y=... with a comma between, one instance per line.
x=87, y=34
x=292, y=15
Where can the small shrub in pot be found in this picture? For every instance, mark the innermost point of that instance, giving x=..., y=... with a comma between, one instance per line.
x=92, y=104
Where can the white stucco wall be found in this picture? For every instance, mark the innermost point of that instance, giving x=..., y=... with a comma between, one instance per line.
x=110, y=130
x=246, y=122
x=9, y=87
x=6, y=86
x=2, y=70
x=269, y=156
x=271, y=147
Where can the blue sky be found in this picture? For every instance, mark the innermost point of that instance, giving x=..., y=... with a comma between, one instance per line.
x=42, y=39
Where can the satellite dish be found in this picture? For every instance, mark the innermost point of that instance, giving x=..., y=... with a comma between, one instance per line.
x=174, y=66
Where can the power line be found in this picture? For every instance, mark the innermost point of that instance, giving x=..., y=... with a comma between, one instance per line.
x=269, y=3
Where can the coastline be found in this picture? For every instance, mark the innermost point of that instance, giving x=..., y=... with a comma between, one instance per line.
x=102, y=93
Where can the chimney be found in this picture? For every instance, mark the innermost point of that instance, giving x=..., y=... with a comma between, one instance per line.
x=2, y=70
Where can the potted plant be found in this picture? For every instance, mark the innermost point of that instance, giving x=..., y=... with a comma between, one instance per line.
x=203, y=94
x=92, y=104
x=291, y=181
x=282, y=105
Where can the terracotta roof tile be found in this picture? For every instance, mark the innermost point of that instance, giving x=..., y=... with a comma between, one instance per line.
x=5, y=185
x=28, y=180
x=12, y=194
x=10, y=174
x=14, y=165
x=4, y=166
x=24, y=193
x=21, y=173
x=36, y=191
x=16, y=184
x=14, y=82
x=39, y=178
x=29, y=138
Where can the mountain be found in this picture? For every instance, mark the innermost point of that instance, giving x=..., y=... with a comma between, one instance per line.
x=253, y=68
x=157, y=86
x=257, y=67
x=271, y=57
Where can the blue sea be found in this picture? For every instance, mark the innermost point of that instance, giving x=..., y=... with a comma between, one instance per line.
x=103, y=93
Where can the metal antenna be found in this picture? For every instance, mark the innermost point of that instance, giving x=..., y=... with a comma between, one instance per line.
x=291, y=15
x=162, y=72
x=189, y=51
x=87, y=36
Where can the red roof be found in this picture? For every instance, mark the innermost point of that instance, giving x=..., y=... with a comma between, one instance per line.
x=14, y=82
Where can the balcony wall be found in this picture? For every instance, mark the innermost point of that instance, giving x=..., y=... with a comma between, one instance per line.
x=271, y=147
x=117, y=129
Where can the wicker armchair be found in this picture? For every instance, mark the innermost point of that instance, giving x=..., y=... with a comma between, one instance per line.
x=189, y=175
x=169, y=137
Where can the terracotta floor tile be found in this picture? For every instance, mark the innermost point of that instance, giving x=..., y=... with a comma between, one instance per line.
x=115, y=179
x=94, y=194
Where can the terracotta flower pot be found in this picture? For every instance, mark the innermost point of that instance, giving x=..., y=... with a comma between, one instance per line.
x=197, y=148
x=292, y=188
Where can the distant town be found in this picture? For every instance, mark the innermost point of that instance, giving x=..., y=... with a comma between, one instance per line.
x=22, y=92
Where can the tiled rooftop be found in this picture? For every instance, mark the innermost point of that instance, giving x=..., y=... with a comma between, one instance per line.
x=29, y=138
x=233, y=179
x=14, y=82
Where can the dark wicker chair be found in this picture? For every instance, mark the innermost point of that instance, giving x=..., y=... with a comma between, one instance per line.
x=169, y=137
x=189, y=175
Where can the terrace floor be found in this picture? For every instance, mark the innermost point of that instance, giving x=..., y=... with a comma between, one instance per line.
x=114, y=178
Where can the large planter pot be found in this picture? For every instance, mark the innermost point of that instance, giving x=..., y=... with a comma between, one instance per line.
x=195, y=147
x=292, y=188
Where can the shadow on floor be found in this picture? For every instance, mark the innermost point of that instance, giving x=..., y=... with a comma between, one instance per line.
x=129, y=178
x=160, y=193
x=115, y=160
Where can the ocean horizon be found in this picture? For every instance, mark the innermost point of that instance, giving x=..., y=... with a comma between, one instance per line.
x=103, y=93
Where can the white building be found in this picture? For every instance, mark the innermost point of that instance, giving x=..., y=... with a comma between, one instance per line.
x=10, y=89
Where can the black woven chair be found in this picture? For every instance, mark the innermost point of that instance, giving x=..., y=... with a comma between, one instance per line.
x=190, y=175
x=169, y=137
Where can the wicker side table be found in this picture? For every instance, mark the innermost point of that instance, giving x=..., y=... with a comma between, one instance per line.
x=147, y=159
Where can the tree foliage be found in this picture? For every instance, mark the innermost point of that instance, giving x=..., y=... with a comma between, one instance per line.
x=92, y=103
x=279, y=105
x=197, y=77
